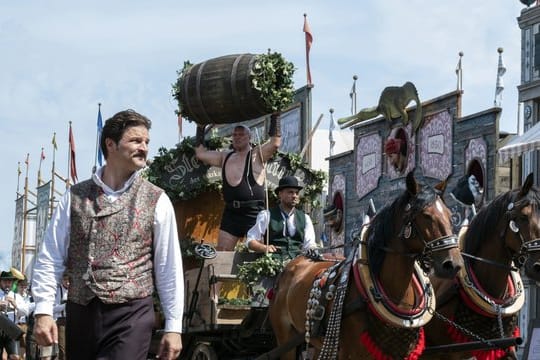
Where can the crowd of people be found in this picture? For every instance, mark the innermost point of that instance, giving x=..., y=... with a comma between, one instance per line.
x=113, y=243
x=17, y=305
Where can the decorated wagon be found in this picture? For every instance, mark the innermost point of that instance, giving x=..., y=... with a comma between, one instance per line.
x=225, y=314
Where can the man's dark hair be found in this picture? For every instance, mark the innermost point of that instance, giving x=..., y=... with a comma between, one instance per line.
x=116, y=126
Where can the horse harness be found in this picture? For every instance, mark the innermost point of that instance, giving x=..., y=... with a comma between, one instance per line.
x=438, y=244
x=326, y=287
x=477, y=309
x=514, y=301
x=527, y=247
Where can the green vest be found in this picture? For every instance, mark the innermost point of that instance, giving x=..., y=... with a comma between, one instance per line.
x=291, y=246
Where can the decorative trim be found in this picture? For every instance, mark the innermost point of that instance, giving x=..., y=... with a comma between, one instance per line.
x=476, y=298
x=382, y=307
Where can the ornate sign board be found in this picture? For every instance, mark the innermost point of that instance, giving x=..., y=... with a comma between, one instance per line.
x=368, y=163
x=186, y=172
x=436, y=145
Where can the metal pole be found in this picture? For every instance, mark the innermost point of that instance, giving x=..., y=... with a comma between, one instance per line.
x=475, y=345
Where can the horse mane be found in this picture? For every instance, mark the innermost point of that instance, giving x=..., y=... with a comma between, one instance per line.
x=381, y=230
x=482, y=225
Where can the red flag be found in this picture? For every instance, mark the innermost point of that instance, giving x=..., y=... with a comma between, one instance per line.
x=42, y=154
x=73, y=166
x=309, y=41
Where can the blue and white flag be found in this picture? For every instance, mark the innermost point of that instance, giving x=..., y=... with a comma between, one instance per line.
x=99, y=129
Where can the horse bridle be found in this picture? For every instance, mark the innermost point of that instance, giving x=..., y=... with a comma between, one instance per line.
x=527, y=247
x=441, y=243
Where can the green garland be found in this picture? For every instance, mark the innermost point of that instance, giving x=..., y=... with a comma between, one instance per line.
x=156, y=171
x=252, y=272
x=177, y=86
x=272, y=77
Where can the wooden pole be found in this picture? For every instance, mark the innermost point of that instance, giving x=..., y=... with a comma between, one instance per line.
x=311, y=136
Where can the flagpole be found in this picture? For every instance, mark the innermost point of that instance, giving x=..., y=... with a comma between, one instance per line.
x=310, y=137
x=18, y=176
x=53, y=174
x=353, y=95
x=98, y=136
x=459, y=73
x=25, y=209
x=72, y=164
x=39, y=168
x=331, y=132
x=499, y=85
x=69, y=177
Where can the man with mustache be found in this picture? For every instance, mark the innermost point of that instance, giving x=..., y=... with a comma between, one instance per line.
x=115, y=237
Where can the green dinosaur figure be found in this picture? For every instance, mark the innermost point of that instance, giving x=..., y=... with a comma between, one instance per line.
x=392, y=104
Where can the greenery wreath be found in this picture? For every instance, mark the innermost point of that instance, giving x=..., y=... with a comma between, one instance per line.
x=156, y=172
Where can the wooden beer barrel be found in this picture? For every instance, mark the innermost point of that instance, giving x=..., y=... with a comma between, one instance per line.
x=226, y=89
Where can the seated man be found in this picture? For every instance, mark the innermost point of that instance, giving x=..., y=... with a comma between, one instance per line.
x=290, y=230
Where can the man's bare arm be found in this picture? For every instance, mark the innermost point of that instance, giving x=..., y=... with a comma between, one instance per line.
x=269, y=148
x=209, y=157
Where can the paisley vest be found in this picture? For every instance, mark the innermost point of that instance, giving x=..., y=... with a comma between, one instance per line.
x=111, y=243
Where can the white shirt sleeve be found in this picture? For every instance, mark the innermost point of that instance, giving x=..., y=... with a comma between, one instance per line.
x=25, y=308
x=258, y=230
x=50, y=263
x=168, y=268
x=309, y=235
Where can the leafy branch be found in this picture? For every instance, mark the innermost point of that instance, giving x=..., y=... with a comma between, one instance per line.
x=157, y=171
x=252, y=272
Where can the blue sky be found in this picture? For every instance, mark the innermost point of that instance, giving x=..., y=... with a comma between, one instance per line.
x=61, y=58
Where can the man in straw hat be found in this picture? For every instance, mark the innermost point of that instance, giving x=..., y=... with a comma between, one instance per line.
x=243, y=178
x=9, y=303
x=290, y=230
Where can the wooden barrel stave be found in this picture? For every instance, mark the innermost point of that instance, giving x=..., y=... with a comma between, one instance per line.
x=220, y=90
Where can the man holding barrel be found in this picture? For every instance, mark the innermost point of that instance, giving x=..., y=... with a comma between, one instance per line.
x=243, y=175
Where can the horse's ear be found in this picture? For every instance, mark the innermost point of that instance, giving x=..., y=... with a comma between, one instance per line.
x=527, y=185
x=412, y=185
x=441, y=187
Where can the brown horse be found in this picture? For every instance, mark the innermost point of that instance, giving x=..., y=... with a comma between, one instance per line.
x=484, y=300
x=387, y=317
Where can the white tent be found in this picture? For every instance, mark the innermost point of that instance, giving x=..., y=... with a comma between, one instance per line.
x=529, y=141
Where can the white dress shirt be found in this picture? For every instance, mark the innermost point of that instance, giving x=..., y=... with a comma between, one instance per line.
x=258, y=230
x=168, y=271
x=13, y=313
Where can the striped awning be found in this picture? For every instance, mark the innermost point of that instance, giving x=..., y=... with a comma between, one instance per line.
x=529, y=141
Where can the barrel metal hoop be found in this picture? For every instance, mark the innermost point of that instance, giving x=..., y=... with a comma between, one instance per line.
x=198, y=92
x=235, y=97
x=187, y=110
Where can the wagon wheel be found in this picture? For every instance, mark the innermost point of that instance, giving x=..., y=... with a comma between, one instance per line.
x=204, y=351
x=205, y=251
